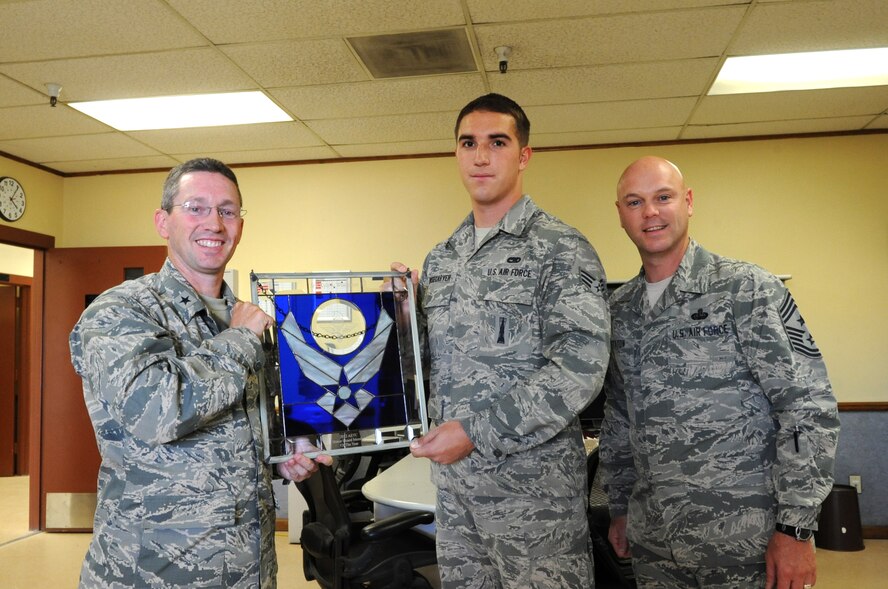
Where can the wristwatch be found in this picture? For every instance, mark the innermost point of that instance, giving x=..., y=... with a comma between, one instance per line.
x=800, y=534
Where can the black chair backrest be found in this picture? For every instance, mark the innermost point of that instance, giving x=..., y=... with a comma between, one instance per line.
x=341, y=551
x=326, y=534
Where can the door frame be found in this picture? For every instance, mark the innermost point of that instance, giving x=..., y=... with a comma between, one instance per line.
x=38, y=242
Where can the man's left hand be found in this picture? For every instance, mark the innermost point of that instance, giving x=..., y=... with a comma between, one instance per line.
x=445, y=444
x=789, y=563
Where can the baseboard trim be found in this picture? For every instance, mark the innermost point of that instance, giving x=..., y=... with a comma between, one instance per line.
x=863, y=406
x=875, y=532
x=281, y=525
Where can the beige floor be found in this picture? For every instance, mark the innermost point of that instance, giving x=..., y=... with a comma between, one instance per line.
x=31, y=560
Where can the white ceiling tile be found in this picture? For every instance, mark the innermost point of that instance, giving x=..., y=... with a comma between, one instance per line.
x=686, y=77
x=435, y=146
x=47, y=29
x=229, y=138
x=616, y=136
x=607, y=71
x=385, y=129
x=598, y=116
x=789, y=27
x=381, y=97
x=14, y=93
x=264, y=155
x=298, y=63
x=236, y=21
x=44, y=121
x=484, y=11
x=801, y=104
x=187, y=71
x=76, y=148
x=121, y=163
x=880, y=122
x=774, y=128
x=611, y=39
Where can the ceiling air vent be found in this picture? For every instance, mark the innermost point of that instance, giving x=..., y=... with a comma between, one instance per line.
x=415, y=54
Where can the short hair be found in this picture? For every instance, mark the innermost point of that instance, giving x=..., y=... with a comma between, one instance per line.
x=201, y=164
x=502, y=104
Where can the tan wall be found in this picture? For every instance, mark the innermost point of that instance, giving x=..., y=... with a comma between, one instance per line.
x=16, y=260
x=812, y=208
x=43, y=209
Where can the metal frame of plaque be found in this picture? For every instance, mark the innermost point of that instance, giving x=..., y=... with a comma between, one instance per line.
x=344, y=368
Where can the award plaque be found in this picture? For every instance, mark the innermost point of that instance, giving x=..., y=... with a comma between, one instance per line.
x=343, y=370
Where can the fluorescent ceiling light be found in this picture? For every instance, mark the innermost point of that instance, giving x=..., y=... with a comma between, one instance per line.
x=179, y=112
x=803, y=71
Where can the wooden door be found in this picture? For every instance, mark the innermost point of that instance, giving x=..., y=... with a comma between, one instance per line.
x=69, y=455
x=7, y=380
x=15, y=374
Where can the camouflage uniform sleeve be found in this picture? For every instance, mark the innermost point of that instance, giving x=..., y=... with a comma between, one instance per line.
x=788, y=366
x=575, y=338
x=617, y=468
x=158, y=386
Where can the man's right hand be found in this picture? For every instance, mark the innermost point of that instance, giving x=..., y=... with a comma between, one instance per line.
x=250, y=316
x=617, y=536
x=444, y=444
x=399, y=285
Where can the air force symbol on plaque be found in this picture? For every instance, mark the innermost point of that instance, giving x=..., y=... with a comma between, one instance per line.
x=345, y=396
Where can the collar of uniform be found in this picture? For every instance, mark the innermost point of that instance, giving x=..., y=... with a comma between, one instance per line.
x=630, y=294
x=185, y=299
x=514, y=222
x=518, y=217
x=691, y=276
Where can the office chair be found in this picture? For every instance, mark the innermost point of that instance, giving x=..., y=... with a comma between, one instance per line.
x=353, y=470
x=340, y=553
x=610, y=569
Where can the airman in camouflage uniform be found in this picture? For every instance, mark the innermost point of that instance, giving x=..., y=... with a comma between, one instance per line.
x=169, y=372
x=720, y=420
x=517, y=329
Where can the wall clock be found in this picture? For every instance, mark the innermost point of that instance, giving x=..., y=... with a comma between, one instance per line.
x=12, y=199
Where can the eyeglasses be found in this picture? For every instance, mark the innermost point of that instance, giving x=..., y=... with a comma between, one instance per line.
x=197, y=210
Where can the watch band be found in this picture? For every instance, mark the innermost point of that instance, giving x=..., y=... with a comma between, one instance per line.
x=800, y=534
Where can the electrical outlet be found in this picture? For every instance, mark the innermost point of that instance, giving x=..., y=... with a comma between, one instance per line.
x=854, y=481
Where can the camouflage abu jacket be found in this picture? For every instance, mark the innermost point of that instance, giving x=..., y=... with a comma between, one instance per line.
x=184, y=499
x=518, y=333
x=720, y=419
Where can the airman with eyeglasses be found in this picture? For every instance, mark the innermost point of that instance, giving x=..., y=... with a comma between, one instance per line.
x=196, y=209
x=171, y=364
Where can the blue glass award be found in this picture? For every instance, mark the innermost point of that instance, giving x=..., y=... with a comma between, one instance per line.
x=343, y=370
